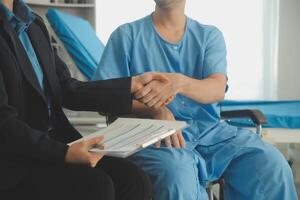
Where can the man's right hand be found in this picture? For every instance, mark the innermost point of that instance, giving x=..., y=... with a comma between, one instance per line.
x=176, y=140
x=78, y=153
x=139, y=83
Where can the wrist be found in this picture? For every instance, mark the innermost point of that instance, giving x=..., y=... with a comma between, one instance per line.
x=157, y=111
x=67, y=155
x=135, y=84
x=182, y=81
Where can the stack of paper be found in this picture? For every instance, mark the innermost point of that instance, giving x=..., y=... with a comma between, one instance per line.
x=127, y=135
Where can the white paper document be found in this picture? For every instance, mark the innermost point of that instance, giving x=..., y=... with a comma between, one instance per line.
x=128, y=135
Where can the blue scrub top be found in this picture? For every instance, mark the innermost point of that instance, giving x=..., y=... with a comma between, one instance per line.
x=137, y=47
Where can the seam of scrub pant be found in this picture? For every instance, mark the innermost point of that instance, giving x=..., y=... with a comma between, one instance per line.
x=245, y=150
x=200, y=172
x=200, y=187
x=248, y=151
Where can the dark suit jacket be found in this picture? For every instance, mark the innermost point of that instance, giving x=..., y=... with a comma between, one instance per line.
x=24, y=117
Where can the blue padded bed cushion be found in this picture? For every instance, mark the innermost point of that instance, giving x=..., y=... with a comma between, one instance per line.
x=79, y=39
x=279, y=114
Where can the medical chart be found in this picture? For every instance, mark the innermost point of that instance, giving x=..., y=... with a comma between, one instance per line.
x=128, y=135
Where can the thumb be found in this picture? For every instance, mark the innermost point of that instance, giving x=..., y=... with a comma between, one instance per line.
x=95, y=141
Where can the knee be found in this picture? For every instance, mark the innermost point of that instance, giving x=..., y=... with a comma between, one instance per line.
x=273, y=164
x=177, y=174
x=275, y=174
x=140, y=184
x=173, y=172
x=176, y=179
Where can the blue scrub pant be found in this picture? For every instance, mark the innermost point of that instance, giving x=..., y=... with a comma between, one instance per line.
x=252, y=169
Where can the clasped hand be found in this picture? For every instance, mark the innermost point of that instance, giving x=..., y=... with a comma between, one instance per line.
x=156, y=89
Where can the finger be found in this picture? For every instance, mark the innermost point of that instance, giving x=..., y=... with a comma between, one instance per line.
x=166, y=103
x=95, y=158
x=158, y=101
x=181, y=140
x=161, y=102
x=160, y=77
x=143, y=92
x=155, y=87
x=146, y=78
x=170, y=99
x=93, y=142
x=136, y=84
x=149, y=97
x=175, y=141
x=153, y=101
x=167, y=141
x=157, y=144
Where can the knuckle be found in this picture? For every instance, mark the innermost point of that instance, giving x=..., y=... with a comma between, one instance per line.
x=149, y=97
x=144, y=93
x=155, y=90
x=83, y=144
x=145, y=100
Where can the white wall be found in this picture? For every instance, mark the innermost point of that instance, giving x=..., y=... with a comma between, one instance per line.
x=112, y=13
x=289, y=50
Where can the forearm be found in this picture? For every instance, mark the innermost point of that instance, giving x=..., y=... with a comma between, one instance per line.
x=110, y=96
x=206, y=91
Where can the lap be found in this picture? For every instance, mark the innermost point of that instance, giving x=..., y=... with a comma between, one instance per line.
x=171, y=164
x=68, y=181
x=242, y=150
x=244, y=159
x=168, y=158
x=211, y=162
x=175, y=173
x=130, y=181
x=112, y=177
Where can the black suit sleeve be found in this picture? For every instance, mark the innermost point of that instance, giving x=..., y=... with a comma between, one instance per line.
x=108, y=96
x=19, y=141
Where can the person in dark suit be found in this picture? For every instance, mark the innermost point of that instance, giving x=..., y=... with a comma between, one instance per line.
x=35, y=161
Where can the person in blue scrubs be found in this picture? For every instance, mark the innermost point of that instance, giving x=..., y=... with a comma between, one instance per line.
x=192, y=58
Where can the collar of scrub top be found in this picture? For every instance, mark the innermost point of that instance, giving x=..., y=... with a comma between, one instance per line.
x=21, y=17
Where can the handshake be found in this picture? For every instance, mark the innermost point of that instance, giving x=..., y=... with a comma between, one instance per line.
x=155, y=90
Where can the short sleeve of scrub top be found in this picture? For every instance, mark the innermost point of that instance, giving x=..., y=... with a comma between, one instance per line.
x=215, y=54
x=116, y=56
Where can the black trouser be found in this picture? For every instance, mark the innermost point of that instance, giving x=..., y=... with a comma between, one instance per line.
x=113, y=178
